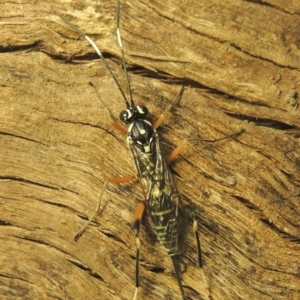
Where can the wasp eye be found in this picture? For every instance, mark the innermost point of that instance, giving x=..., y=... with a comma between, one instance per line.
x=126, y=116
x=142, y=111
x=134, y=113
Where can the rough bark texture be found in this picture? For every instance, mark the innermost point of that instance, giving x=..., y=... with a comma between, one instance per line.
x=240, y=63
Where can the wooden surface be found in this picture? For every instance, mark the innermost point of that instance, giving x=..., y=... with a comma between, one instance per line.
x=240, y=63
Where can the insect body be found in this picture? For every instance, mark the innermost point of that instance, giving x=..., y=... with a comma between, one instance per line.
x=161, y=196
x=162, y=200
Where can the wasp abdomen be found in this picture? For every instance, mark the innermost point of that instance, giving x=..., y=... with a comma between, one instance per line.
x=170, y=229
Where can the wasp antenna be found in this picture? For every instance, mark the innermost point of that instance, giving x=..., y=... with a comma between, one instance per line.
x=123, y=56
x=109, y=115
x=100, y=55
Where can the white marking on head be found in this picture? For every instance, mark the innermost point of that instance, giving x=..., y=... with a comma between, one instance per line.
x=129, y=113
x=140, y=110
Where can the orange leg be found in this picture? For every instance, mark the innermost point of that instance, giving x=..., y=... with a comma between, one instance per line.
x=140, y=211
x=179, y=148
x=176, y=152
x=122, y=179
x=184, y=203
x=119, y=127
x=113, y=122
x=163, y=115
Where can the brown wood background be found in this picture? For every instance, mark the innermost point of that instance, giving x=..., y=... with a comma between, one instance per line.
x=240, y=62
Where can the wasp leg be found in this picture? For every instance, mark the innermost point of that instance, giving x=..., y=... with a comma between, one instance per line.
x=122, y=179
x=119, y=127
x=111, y=180
x=199, y=260
x=136, y=226
x=179, y=148
x=176, y=152
x=199, y=253
x=232, y=135
x=168, y=108
x=177, y=274
x=199, y=264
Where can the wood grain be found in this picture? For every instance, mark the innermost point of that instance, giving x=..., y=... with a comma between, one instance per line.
x=240, y=64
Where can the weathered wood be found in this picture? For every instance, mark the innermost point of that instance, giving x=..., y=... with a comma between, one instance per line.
x=240, y=62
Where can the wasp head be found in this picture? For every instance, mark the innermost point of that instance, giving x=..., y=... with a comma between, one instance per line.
x=133, y=113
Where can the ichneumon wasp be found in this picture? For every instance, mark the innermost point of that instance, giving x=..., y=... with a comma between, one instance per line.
x=164, y=204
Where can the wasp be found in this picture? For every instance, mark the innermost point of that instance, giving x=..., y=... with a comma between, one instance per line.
x=163, y=202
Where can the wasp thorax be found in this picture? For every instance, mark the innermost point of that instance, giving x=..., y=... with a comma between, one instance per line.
x=141, y=134
x=134, y=113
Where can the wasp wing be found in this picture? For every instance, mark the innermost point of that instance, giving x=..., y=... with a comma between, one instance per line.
x=162, y=198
